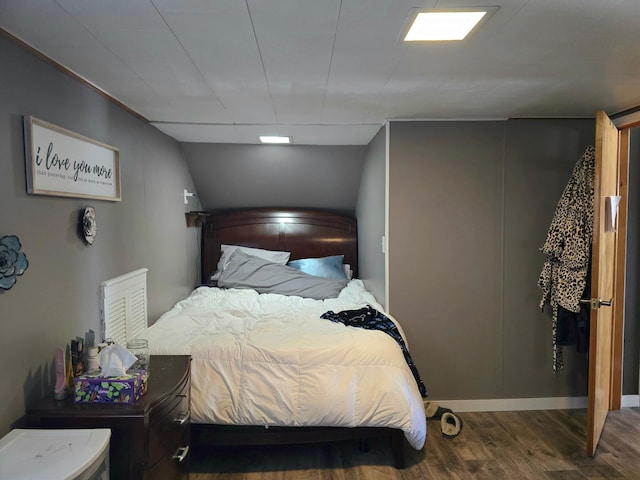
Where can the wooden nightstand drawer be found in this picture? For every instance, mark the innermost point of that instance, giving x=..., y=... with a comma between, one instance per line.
x=165, y=408
x=168, y=422
x=167, y=429
x=174, y=466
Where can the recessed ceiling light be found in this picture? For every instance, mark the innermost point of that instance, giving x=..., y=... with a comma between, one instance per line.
x=274, y=139
x=444, y=25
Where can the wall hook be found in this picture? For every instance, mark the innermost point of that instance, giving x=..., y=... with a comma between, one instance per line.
x=188, y=194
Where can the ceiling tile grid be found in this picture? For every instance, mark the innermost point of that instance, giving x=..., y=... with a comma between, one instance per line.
x=331, y=72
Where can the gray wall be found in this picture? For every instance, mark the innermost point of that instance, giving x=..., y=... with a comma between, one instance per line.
x=469, y=208
x=539, y=158
x=371, y=215
x=57, y=298
x=238, y=176
x=632, y=285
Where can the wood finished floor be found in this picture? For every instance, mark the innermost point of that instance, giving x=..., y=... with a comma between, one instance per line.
x=532, y=445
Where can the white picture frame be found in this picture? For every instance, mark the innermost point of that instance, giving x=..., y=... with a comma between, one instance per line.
x=62, y=163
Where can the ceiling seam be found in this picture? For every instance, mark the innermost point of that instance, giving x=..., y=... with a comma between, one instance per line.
x=106, y=48
x=333, y=47
x=191, y=60
x=264, y=70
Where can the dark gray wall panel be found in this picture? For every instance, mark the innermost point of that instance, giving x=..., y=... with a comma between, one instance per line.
x=539, y=158
x=632, y=287
x=469, y=208
x=445, y=247
x=371, y=213
x=238, y=176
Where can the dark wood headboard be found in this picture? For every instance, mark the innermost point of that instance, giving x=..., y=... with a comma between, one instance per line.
x=304, y=233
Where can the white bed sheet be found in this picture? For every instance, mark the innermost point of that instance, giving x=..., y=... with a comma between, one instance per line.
x=267, y=359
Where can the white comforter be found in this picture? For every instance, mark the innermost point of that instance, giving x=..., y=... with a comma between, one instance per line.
x=267, y=359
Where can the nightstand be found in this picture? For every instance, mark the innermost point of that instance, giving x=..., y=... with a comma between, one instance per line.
x=149, y=439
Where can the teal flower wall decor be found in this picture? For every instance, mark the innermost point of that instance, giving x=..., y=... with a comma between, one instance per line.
x=13, y=262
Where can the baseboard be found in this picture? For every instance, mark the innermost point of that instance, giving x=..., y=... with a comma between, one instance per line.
x=630, y=401
x=515, y=404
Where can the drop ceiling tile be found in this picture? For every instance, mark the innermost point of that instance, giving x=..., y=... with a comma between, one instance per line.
x=43, y=24
x=115, y=15
x=191, y=110
x=200, y=133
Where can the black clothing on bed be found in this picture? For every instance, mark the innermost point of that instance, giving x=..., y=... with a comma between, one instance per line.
x=371, y=319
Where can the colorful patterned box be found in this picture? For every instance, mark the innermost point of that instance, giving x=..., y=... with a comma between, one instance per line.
x=126, y=389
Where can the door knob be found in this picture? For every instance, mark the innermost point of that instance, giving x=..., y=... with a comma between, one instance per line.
x=597, y=303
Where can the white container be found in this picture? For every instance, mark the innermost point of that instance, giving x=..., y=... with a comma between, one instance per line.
x=92, y=359
x=79, y=454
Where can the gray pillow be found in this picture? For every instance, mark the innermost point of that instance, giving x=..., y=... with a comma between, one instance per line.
x=247, y=271
x=227, y=250
x=329, y=267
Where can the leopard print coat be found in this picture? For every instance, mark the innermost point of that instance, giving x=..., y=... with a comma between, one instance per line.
x=568, y=247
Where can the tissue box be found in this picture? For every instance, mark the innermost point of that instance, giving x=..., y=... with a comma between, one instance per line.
x=91, y=387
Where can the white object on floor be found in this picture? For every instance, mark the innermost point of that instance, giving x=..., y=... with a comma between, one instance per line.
x=80, y=454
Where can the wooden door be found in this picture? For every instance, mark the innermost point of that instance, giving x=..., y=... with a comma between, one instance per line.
x=603, y=285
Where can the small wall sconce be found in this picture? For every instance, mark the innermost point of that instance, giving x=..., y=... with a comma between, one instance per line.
x=195, y=219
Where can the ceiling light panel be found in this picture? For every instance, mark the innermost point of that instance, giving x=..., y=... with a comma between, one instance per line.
x=274, y=139
x=441, y=25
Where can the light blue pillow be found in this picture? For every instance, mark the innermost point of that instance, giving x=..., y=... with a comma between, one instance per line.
x=327, y=267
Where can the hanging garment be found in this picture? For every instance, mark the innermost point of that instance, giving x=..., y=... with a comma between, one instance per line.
x=371, y=319
x=568, y=252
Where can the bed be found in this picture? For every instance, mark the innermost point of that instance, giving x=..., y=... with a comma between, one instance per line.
x=266, y=368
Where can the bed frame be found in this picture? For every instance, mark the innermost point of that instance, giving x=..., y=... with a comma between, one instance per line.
x=304, y=233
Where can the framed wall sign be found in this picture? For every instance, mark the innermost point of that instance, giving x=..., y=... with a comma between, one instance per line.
x=63, y=163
